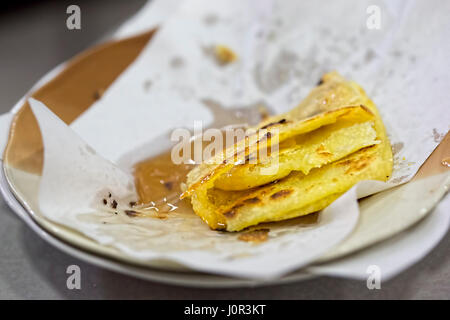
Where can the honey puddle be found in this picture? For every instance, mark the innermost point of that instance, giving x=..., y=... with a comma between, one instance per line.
x=158, y=183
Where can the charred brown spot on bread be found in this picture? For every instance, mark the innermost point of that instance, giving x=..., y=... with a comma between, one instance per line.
x=344, y=163
x=366, y=109
x=355, y=165
x=325, y=154
x=321, y=151
x=231, y=213
x=249, y=158
x=281, y=194
x=358, y=164
x=273, y=123
x=221, y=227
x=252, y=200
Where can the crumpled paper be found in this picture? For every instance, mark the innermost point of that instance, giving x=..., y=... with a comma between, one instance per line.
x=283, y=48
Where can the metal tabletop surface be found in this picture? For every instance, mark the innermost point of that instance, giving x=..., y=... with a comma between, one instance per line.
x=34, y=39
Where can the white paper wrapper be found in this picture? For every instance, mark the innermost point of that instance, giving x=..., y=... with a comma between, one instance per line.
x=283, y=49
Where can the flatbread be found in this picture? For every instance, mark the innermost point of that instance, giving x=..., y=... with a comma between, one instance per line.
x=325, y=145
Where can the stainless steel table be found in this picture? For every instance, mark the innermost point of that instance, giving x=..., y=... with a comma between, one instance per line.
x=34, y=39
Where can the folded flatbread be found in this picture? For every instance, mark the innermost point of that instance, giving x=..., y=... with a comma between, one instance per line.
x=313, y=154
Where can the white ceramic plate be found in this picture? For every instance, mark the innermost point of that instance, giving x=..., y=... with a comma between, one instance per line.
x=382, y=215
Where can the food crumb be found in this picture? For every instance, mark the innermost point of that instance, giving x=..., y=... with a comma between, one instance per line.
x=146, y=85
x=263, y=112
x=131, y=213
x=255, y=236
x=168, y=185
x=446, y=162
x=98, y=94
x=114, y=204
x=224, y=55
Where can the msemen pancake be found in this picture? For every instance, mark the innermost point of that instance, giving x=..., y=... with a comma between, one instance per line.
x=332, y=140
